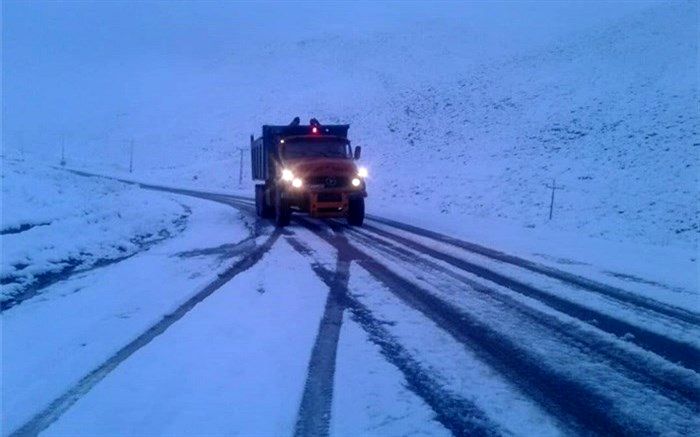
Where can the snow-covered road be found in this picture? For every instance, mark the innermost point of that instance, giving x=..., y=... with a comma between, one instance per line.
x=323, y=329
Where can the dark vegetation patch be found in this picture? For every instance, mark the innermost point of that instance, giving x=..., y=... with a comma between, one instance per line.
x=22, y=228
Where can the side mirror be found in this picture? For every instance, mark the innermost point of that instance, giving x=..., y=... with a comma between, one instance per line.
x=358, y=152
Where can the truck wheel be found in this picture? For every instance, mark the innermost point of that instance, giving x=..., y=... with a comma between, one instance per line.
x=260, y=200
x=356, y=211
x=262, y=209
x=283, y=213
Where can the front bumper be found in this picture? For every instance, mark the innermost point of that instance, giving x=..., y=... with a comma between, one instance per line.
x=323, y=203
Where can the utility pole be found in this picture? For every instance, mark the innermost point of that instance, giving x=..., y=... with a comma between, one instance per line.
x=240, y=170
x=551, y=201
x=131, y=156
x=63, y=150
x=21, y=147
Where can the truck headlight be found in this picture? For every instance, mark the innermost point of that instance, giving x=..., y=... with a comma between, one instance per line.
x=296, y=183
x=356, y=182
x=362, y=172
x=287, y=175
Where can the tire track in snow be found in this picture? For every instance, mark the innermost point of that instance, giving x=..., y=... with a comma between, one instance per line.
x=570, y=278
x=565, y=398
x=678, y=385
x=314, y=414
x=313, y=418
x=609, y=291
x=573, y=279
x=671, y=349
x=599, y=421
x=459, y=415
x=60, y=405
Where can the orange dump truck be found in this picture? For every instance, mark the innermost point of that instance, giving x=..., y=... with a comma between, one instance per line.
x=307, y=168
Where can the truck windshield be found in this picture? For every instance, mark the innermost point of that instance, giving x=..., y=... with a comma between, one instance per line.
x=317, y=149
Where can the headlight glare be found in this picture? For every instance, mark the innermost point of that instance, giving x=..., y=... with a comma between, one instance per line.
x=296, y=183
x=362, y=172
x=287, y=175
x=355, y=182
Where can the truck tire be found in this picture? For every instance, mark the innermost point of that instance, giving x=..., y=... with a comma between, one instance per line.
x=262, y=209
x=283, y=213
x=259, y=200
x=356, y=211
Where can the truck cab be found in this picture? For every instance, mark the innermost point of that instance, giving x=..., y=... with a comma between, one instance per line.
x=308, y=168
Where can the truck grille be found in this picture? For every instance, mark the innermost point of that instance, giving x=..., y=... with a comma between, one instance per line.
x=329, y=197
x=330, y=181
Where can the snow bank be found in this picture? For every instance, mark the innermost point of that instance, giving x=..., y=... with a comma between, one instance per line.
x=55, y=223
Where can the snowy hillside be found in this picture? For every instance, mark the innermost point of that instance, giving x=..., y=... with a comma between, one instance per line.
x=612, y=116
x=464, y=113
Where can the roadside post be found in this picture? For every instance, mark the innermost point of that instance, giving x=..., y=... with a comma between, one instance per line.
x=131, y=157
x=240, y=169
x=63, y=150
x=554, y=187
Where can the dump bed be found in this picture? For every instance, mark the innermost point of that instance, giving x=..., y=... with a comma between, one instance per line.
x=265, y=151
